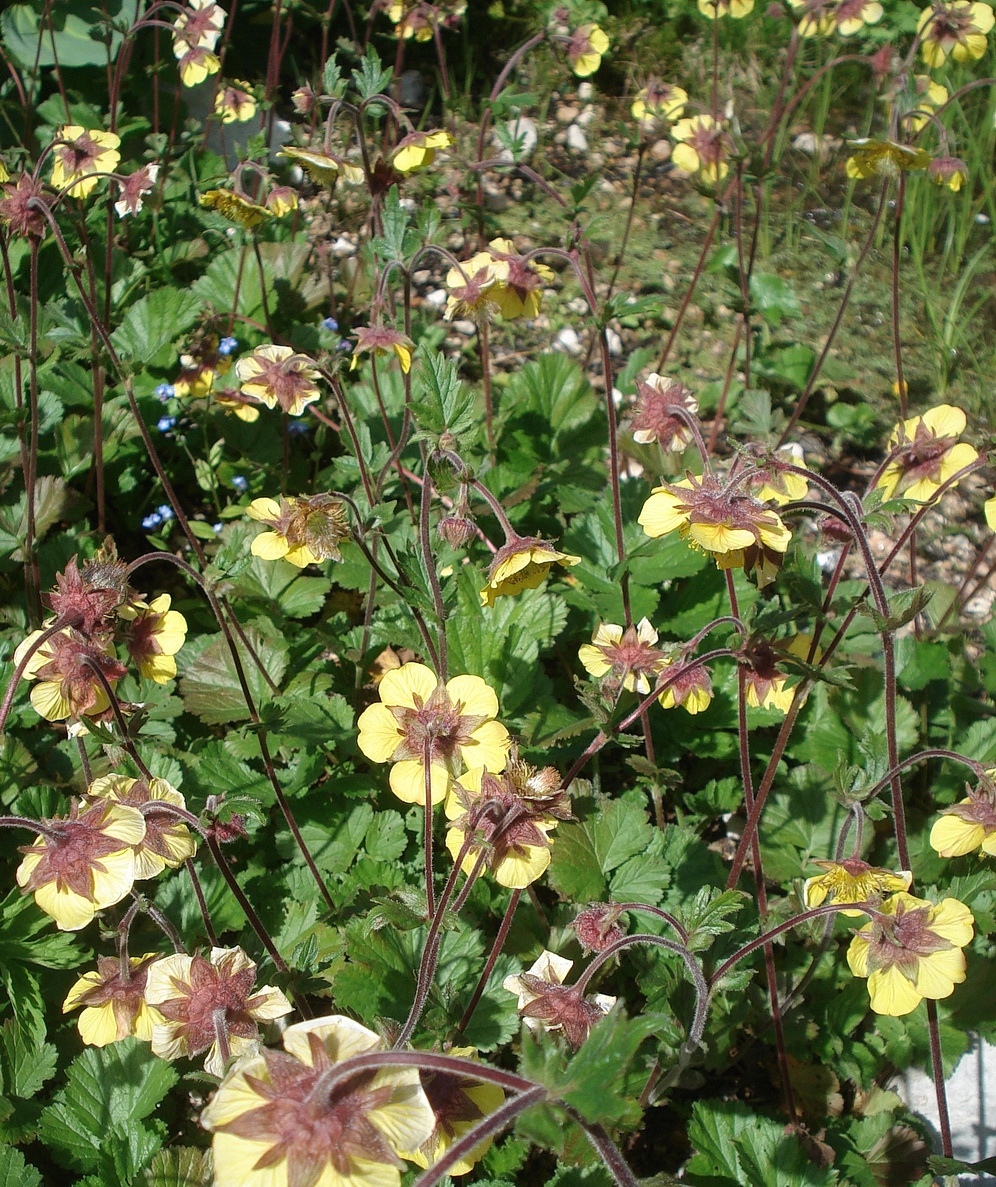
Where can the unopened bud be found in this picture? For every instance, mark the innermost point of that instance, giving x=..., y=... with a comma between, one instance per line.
x=597, y=927
x=457, y=530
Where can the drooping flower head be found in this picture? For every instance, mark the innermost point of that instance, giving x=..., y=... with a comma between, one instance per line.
x=628, y=658
x=195, y=64
x=417, y=150
x=155, y=634
x=282, y=200
x=821, y=18
x=951, y=172
x=19, y=207
x=970, y=824
x=688, y=685
x=955, y=28
x=915, y=98
x=585, y=48
x=662, y=409
x=306, y=530
x=87, y=152
x=235, y=207
x=545, y=1002
x=597, y=926
x=84, y=600
x=324, y=167
x=852, y=881
x=277, y=1119
x=522, y=563
x=911, y=950
x=469, y=286
x=279, y=375
x=167, y=841
x=926, y=453
x=766, y=677
x=199, y=25
x=83, y=862
x=458, y=1103
x=235, y=103
x=509, y=817
x=776, y=480
x=65, y=667
x=703, y=146
x=200, y=366
x=113, y=1001
x=733, y=527
x=378, y=340
x=658, y=101
x=208, y=1004
x=518, y=281
x=883, y=158
x=134, y=188
x=453, y=724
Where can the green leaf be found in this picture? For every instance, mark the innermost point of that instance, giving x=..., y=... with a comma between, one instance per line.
x=210, y=686
x=282, y=585
x=773, y=298
x=26, y=1061
x=443, y=403
x=369, y=79
x=613, y=836
x=39, y=34
x=554, y=387
x=180, y=1166
x=748, y=1149
x=14, y=1171
x=153, y=323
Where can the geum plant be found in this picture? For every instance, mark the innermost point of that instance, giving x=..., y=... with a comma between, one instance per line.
x=328, y=728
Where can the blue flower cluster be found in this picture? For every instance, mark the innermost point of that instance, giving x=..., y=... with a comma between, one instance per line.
x=164, y=392
x=228, y=346
x=329, y=323
x=162, y=514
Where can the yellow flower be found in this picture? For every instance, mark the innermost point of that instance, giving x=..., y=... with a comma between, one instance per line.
x=499, y=277
x=776, y=483
x=954, y=27
x=86, y=153
x=196, y=64
x=167, y=840
x=659, y=101
x=324, y=167
x=512, y=814
x=852, y=881
x=235, y=207
x=418, y=150
x=884, y=158
x=306, y=529
x=282, y=200
x=114, y=1001
x=703, y=147
x=969, y=824
x=276, y=1125
x=522, y=563
x=381, y=340
x=414, y=22
x=458, y=1103
x=198, y=26
x=83, y=862
x=64, y=668
x=155, y=634
x=546, y=1003
x=766, y=682
x=454, y=723
x=234, y=402
x=631, y=656
x=235, y=103
x=658, y=416
x=926, y=454
x=200, y=367
x=911, y=950
x=737, y=530
x=585, y=49
x=689, y=686
x=733, y=8
x=199, y=999
x=948, y=171
x=989, y=511
x=822, y=17
x=279, y=375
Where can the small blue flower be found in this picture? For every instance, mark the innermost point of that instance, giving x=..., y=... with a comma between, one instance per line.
x=329, y=323
x=345, y=346
x=217, y=528
x=297, y=427
x=165, y=423
x=228, y=345
x=165, y=512
x=165, y=391
x=240, y=483
x=151, y=521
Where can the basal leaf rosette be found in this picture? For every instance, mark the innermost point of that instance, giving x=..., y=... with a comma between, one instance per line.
x=167, y=841
x=926, y=453
x=210, y=1005
x=852, y=881
x=83, y=862
x=911, y=950
x=453, y=723
x=277, y=1121
x=737, y=530
x=113, y=1001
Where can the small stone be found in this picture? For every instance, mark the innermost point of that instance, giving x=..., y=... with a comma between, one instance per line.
x=436, y=299
x=421, y=276
x=567, y=114
x=576, y=139
x=577, y=305
x=495, y=200
x=586, y=116
x=467, y=328
x=568, y=340
x=613, y=340
x=413, y=90
x=342, y=247
x=524, y=132
x=586, y=92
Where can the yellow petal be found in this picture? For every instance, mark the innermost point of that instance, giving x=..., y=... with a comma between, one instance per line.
x=953, y=837
x=69, y=910
x=401, y=686
x=379, y=735
x=407, y=780
x=472, y=696
x=48, y=701
x=270, y=546
x=937, y=974
x=263, y=509
x=523, y=866
x=115, y=880
x=488, y=747
x=661, y=516
x=953, y=921
x=891, y=993
x=593, y=660
x=857, y=954
x=98, y=1026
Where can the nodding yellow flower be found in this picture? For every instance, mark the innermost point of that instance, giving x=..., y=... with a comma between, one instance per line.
x=235, y=207
x=522, y=563
x=199, y=998
x=955, y=28
x=279, y=375
x=200, y=367
x=585, y=48
x=732, y=8
x=411, y=20
x=497, y=279
x=235, y=103
x=883, y=158
x=658, y=417
x=734, y=528
x=911, y=950
x=630, y=657
x=417, y=150
x=926, y=453
x=703, y=146
x=83, y=862
x=382, y=340
x=852, y=881
x=167, y=842
x=196, y=64
x=276, y=1125
x=775, y=482
x=458, y=1103
x=87, y=151
x=689, y=686
x=198, y=26
x=155, y=634
x=546, y=1003
x=306, y=530
x=282, y=200
x=951, y=172
x=766, y=681
x=237, y=404
x=969, y=824
x=113, y=1001
x=64, y=666
x=821, y=18
x=659, y=101
x=324, y=167
x=454, y=723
